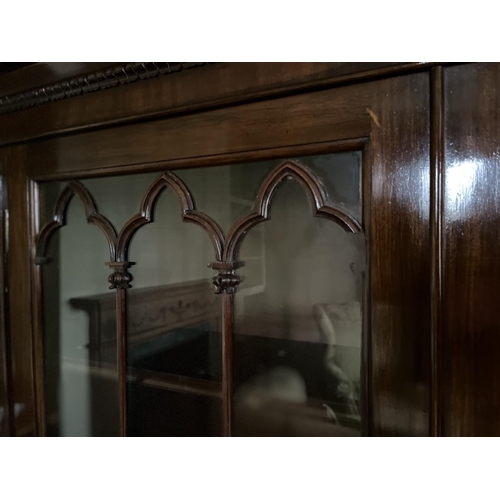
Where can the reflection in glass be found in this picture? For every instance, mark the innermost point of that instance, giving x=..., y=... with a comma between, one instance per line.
x=79, y=315
x=298, y=324
x=119, y=198
x=173, y=326
x=297, y=311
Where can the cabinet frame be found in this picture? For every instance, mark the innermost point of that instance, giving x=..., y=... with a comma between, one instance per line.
x=388, y=119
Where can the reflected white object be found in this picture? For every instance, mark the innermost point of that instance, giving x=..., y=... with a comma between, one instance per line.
x=330, y=414
x=459, y=179
x=18, y=408
x=341, y=328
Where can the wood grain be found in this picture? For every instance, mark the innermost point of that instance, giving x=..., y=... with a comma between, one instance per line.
x=392, y=117
x=471, y=267
x=19, y=289
x=321, y=116
x=214, y=85
x=437, y=167
x=7, y=420
x=399, y=259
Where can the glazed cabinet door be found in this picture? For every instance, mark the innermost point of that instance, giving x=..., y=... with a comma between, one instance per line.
x=256, y=270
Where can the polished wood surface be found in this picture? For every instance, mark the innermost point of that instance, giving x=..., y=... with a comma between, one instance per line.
x=6, y=400
x=20, y=303
x=212, y=85
x=470, y=343
x=436, y=198
x=430, y=203
x=37, y=315
x=399, y=262
x=376, y=116
x=338, y=114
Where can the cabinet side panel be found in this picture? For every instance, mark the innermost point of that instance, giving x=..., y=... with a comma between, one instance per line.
x=471, y=267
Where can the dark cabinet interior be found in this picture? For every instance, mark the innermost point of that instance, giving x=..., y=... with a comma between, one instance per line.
x=237, y=260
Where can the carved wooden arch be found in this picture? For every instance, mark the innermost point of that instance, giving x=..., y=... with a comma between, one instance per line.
x=189, y=214
x=310, y=182
x=75, y=188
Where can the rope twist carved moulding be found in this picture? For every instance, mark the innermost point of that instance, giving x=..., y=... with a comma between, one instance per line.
x=101, y=80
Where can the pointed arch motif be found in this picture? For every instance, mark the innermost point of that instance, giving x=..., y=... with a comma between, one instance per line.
x=312, y=185
x=75, y=188
x=189, y=214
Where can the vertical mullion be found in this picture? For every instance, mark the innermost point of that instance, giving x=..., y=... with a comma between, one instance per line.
x=36, y=283
x=227, y=362
x=121, y=339
x=437, y=165
x=39, y=352
x=120, y=280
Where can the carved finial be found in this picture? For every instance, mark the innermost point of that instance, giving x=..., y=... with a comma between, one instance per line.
x=120, y=277
x=226, y=280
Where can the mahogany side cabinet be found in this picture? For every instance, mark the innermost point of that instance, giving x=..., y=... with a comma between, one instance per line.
x=250, y=249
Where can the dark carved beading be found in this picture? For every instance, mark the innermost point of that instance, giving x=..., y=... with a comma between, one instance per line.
x=225, y=280
x=90, y=83
x=120, y=277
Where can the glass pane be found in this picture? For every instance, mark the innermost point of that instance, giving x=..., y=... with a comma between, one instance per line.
x=298, y=324
x=298, y=313
x=119, y=198
x=174, y=337
x=162, y=412
x=79, y=316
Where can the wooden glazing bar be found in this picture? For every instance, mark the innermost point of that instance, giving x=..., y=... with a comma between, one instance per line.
x=227, y=362
x=36, y=283
x=121, y=338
